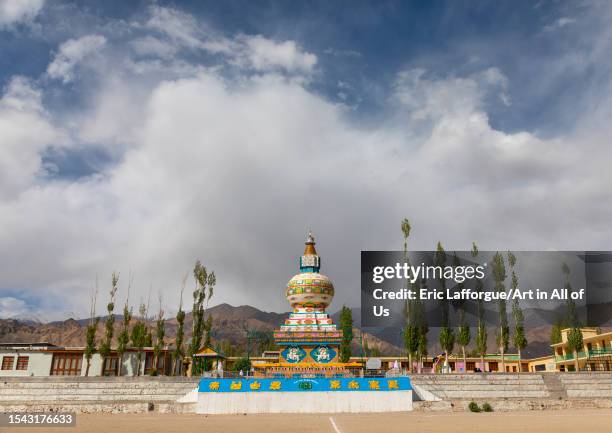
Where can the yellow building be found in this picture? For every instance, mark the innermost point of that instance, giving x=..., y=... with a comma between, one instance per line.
x=596, y=354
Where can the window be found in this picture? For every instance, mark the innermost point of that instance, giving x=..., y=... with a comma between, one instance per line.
x=111, y=365
x=7, y=362
x=162, y=363
x=22, y=362
x=66, y=364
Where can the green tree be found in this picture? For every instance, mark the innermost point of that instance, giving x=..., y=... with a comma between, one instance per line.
x=243, y=364
x=502, y=336
x=410, y=332
x=139, y=336
x=447, y=335
x=205, y=283
x=519, y=339
x=463, y=335
x=420, y=323
x=90, y=330
x=555, y=332
x=575, y=342
x=109, y=325
x=160, y=333
x=124, y=336
x=179, y=352
x=481, y=332
x=346, y=324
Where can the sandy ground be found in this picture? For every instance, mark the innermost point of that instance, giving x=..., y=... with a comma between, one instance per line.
x=568, y=421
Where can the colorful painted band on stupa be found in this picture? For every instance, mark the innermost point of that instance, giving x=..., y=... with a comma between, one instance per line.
x=304, y=385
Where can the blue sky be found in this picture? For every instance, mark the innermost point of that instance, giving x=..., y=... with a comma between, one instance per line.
x=139, y=136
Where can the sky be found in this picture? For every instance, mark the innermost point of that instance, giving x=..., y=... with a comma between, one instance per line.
x=138, y=137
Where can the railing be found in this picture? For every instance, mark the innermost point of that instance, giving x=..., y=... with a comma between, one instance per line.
x=600, y=352
x=590, y=353
x=569, y=356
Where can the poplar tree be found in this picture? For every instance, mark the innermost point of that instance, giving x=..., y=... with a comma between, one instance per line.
x=124, y=335
x=421, y=323
x=481, y=333
x=179, y=352
x=518, y=339
x=575, y=342
x=410, y=333
x=463, y=335
x=502, y=336
x=148, y=340
x=555, y=332
x=447, y=335
x=205, y=283
x=109, y=325
x=90, y=330
x=160, y=332
x=346, y=323
x=139, y=335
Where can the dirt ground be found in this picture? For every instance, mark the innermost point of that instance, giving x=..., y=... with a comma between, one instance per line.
x=567, y=421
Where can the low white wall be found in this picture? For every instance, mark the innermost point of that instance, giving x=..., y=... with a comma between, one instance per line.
x=304, y=402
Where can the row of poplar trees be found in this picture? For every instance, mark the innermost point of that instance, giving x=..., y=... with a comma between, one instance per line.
x=138, y=332
x=416, y=329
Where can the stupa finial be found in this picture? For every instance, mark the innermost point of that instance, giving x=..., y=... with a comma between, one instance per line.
x=310, y=245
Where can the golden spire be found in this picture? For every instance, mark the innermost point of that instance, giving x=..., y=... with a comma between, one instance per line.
x=310, y=245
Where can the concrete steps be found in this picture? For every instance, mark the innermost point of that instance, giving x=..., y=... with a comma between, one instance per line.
x=475, y=386
x=587, y=385
x=82, y=394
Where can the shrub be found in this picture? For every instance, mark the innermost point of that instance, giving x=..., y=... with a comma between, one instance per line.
x=486, y=407
x=243, y=364
x=473, y=407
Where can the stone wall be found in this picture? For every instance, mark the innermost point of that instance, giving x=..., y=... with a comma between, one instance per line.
x=94, y=394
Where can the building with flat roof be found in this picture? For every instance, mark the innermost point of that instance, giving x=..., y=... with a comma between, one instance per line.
x=596, y=353
x=45, y=359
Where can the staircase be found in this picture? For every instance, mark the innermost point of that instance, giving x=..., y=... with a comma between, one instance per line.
x=554, y=386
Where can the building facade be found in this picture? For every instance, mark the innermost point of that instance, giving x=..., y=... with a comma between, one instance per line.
x=596, y=353
x=45, y=359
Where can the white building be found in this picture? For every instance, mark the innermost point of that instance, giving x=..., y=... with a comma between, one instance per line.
x=45, y=359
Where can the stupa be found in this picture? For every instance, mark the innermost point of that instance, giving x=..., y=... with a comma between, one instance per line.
x=308, y=340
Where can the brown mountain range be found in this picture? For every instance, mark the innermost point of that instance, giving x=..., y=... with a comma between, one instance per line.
x=232, y=324
x=230, y=328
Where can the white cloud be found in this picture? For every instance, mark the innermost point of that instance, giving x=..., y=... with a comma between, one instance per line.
x=72, y=52
x=248, y=51
x=19, y=11
x=559, y=23
x=233, y=169
x=214, y=171
x=264, y=54
x=26, y=131
x=151, y=46
x=11, y=307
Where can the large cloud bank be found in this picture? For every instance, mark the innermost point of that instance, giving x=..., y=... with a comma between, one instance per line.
x=233, y=162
